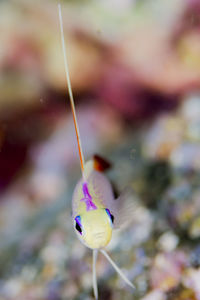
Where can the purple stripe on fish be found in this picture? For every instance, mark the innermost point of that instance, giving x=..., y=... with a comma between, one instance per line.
x=87, y=198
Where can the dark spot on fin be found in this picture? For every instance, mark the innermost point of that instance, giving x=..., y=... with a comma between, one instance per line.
x=101, y=164
x=115, y=190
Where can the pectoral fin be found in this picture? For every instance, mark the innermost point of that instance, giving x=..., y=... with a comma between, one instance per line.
x=124, y=208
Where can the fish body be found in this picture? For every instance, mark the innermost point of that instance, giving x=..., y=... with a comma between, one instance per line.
x=95, y=212
x=92, y=208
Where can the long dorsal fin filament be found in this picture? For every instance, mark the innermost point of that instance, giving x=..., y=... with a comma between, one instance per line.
x=81, y=157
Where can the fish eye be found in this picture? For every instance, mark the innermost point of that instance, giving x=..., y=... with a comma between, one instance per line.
x=78, y=225
x=110, y=215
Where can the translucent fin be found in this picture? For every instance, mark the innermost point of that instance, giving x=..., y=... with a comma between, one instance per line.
x=124, y=208
x=117, y=269
x=94, y=274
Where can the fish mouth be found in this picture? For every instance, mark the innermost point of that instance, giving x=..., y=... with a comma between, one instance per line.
x=99, y=240
x=99, y=235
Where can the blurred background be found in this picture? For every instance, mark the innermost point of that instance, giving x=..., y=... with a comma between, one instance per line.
x=135, y=72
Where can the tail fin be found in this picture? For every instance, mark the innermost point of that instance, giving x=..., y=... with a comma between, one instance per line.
x=94, y=275
x=117, y=269
x=81, y=157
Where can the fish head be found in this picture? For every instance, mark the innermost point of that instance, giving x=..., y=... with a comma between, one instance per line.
x=94, y=228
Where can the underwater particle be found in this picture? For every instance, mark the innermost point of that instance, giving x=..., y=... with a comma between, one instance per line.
x=191, y=280
x=105, y=293
x=155, y=295
x=70, y=289
x=52, y=183
x=28, y=273
x=163, y=137
x=142, y=283
x=54, y=290
x=132, y=153
x=157, y=178
x=167, y=270
x=190, y=111
x=181, y=293
x=13, y=287
x=180, y=205
x=195, y=257
x=168, y=241
x=186, y=156
x=190, y=108
x=49, y=270
x=194, y=229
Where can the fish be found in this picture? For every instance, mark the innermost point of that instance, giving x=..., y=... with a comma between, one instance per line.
x=95, y=211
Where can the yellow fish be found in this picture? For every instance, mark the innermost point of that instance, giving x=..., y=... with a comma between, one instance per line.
x=95, y=212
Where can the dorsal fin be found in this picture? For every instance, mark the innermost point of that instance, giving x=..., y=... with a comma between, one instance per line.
x=81, y=157
x=100, y=163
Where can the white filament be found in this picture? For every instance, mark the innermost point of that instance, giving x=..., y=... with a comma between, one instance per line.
x=117, y=269
x=94, y=275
